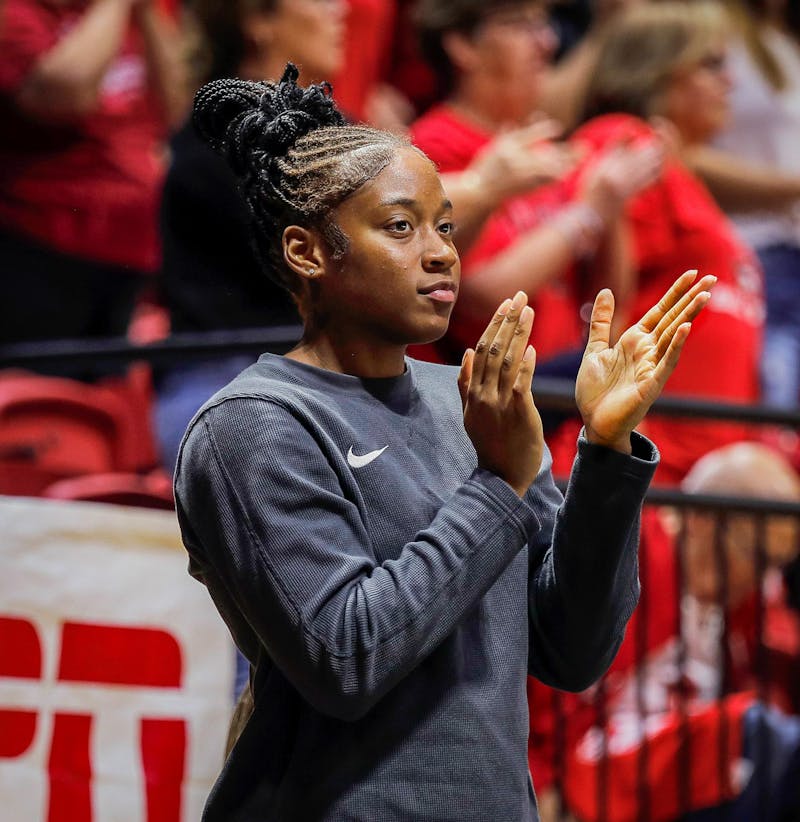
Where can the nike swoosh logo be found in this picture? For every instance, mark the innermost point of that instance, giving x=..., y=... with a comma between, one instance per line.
x=360, y=460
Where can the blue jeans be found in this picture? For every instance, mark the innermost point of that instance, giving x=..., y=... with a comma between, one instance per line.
x=780, y=361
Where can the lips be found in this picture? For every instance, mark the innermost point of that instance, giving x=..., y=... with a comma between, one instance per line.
x=442, y=291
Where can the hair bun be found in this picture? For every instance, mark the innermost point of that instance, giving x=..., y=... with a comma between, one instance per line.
x=219, y=104
x=253, y=122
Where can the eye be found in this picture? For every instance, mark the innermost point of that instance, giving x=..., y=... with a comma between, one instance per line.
x=446, y=228
x=399, y=226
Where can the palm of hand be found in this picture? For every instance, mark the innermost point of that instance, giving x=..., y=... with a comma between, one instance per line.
x=616, y=385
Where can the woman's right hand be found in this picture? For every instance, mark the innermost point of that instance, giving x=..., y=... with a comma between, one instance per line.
x=500, y=416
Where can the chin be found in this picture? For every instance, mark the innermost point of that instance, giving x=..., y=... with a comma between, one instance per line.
x=433, y=334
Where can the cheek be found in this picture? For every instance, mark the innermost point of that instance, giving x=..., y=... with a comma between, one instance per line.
x=707, y=102
x=698, y=109
x=374, y=268
x=716, y=96
x=318, y=30
x=522, y=55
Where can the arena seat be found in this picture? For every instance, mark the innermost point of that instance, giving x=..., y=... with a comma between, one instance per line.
x=152, y=490
x=136, y=392
x=52, y=428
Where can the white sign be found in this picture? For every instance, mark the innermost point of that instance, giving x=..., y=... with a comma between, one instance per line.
x=116, y=672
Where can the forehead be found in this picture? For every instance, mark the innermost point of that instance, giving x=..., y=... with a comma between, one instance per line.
x=409, y=175
x=446, y=15
x=520, y=7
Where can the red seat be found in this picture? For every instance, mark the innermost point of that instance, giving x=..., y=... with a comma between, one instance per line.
x=135, y=390
x=52, y=428
x=145, y=491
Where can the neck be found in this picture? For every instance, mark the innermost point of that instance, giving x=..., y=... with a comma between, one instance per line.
x=484, y=105
x=351, y=357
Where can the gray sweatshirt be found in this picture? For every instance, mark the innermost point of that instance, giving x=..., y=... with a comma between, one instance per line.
x=392, y=596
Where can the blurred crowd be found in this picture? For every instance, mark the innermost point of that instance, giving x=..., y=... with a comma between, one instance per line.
x=584, y=144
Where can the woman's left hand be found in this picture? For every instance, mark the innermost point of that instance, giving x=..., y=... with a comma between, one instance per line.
x=616, y=385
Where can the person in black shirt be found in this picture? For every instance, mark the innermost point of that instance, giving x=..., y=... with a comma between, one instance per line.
x=211, y=279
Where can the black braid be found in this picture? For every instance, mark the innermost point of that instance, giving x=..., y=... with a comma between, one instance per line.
x=294, y=155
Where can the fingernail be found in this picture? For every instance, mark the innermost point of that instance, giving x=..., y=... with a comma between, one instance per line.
x=504, y=306
x=519, y=299
x=527, y=314
x=528, y=355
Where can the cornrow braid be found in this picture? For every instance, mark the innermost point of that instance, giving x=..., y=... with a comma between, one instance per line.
x=294, y=155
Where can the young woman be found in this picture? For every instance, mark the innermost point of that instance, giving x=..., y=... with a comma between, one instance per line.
x=210, y=278
x=383, y=536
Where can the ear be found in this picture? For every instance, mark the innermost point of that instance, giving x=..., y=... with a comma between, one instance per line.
x=461, y=51
x=304, y=252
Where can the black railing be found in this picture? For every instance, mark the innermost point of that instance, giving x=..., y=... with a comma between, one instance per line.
x=71, y=357
x=82, y=356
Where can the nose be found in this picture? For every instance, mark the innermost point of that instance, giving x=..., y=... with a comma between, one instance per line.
x=546, y=40
x=727, y=79
x=439, y=254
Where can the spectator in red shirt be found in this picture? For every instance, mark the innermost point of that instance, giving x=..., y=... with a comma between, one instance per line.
x=88, y=91
x=490, y=58
x=667, y=61
x=687, y=669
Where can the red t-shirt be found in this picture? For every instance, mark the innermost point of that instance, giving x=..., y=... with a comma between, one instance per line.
x=676, y=225
x=641, y=704
x=451, y=143
x=88, y=187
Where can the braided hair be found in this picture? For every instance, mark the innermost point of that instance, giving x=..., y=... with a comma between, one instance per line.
x=294, y=155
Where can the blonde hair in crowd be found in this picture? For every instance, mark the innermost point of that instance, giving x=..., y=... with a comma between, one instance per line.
x=645, y=47
x=748, y=20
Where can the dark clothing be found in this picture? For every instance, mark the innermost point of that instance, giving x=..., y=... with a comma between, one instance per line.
x=392, y=596
x=48, y=295
x=210, y=281
x=210, y=278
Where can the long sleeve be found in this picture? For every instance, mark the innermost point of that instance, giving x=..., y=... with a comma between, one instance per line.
x=390, y=595
x=584, y=580
x=284, y=550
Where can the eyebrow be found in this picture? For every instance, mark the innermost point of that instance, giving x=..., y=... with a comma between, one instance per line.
x=408, y=202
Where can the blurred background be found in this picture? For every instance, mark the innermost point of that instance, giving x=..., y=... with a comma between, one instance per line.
x=585, y=144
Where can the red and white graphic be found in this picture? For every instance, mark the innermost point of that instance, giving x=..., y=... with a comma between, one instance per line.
x=115, y=669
